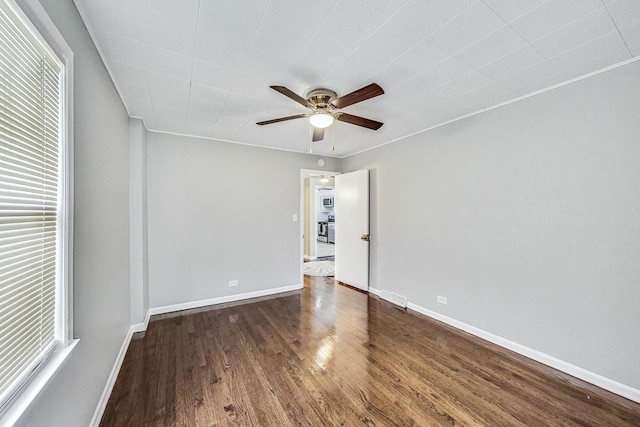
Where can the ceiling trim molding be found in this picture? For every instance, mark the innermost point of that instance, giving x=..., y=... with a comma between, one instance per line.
x=521, y=98
x=532, y=94
x=103, y=58
x=94, y=38
x=228, y=141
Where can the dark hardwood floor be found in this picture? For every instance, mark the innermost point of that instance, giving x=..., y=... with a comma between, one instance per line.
x=332, y=356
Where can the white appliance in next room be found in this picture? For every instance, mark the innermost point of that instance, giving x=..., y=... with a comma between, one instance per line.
x=327, y=202
x=331, y=229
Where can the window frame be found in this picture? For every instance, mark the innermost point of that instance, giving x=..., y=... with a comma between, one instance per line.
x=34, y=18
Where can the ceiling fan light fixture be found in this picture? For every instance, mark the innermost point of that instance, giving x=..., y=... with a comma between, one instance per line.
x=321, y=120
x=325, y=105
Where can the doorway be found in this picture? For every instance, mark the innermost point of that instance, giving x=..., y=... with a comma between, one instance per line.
x=317, y=225
x=352, y=238
x=323, y=214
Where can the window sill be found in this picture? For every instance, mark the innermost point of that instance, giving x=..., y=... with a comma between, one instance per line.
x=36, y=384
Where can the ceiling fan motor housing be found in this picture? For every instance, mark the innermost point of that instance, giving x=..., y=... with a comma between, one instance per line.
x=321, y=98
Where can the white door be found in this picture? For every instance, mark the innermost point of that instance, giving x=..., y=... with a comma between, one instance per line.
x=352, y=229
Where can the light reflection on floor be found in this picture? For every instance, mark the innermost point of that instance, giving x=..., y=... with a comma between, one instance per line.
x=339, y=328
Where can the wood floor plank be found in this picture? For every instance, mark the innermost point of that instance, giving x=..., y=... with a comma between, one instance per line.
x=329, y=355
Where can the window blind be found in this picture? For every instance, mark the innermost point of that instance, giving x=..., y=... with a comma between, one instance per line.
x=30, y=105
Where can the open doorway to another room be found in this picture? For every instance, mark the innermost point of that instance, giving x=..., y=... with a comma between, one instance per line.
x=318, y=249
x=325, y=219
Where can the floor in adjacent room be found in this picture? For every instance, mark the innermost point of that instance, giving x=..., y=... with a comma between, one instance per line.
x=324, y=250
x=329, y=355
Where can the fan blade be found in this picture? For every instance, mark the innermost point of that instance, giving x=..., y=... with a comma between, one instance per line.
x=282, y=119
x=291, y=94
x=359, y=121
x=318, y=134
x=359, y=95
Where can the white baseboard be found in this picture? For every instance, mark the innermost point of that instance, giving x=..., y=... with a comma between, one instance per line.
x=108, y=388
x=220, y=300
x=576, y=371
x=141, y=327
x=566, y=367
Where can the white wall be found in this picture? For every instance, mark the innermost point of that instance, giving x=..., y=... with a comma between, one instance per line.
x=308, y=247
x=219, y=212
x=323, y=212
x=310, y=224
x=101, y=234
x=527, y=218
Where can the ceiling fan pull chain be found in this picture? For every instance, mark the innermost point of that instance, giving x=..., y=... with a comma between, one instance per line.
x=332, y=140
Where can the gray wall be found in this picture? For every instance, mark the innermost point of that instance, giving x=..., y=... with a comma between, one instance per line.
x=139, y=281
x=527, y=218
x=101, y=241
x=219, y=212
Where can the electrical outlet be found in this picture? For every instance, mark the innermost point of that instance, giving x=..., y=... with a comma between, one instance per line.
x=294, y=217
x=442, y=300
x=233, y=283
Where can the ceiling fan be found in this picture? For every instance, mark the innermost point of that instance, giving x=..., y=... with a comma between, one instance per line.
x=325, y=105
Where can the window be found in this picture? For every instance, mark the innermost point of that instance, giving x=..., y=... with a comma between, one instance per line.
x=33, y=203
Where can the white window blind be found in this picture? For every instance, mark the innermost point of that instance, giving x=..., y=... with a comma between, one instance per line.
x=30, y=111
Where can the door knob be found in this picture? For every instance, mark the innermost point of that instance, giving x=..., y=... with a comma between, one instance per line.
x=365, y=237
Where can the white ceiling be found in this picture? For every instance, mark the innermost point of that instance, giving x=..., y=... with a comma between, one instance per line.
x=204, y=67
